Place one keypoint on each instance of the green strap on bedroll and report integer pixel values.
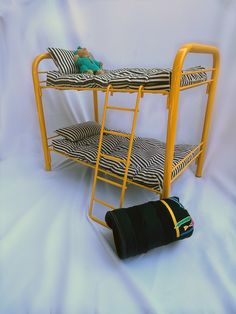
(140, 228)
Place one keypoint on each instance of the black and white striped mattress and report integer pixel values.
(147, 159)
(151, 79)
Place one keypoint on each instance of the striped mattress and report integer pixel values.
(147, 159)
(130, 78)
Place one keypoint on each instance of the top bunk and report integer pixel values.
(153, 80)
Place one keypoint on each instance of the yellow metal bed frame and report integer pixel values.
(172, 106)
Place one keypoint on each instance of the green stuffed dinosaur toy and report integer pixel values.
(86, 63)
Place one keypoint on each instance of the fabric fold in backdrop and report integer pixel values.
(140, 228)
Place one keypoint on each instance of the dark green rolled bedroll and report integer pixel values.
(140, 228)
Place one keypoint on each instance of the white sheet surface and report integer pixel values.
(52, 258)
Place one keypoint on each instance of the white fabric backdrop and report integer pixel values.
(52, 259)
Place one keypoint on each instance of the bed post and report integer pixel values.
(209, 108)
(38, 98)
(173, 108)
(95, 105)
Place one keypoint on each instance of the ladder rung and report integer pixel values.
(120, 108)
(113, 158)
(103, 203)
(101, 222)
(116, 133)
(110, 182)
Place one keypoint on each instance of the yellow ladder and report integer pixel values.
(122, 186)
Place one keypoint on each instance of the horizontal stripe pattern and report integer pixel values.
(151, 79)
(147, 158)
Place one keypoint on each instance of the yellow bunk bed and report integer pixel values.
(172, 92)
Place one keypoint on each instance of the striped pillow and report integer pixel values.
(79, 131)
(64, 60)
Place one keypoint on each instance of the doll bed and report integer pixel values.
(170, 159)
(146, 166)
(131, 78)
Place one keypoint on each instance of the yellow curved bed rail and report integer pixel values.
(177, 72)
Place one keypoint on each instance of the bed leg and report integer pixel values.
(198, 172)
(172, 105)
(211, 90)
(46, 152)
(165, 192)
(38, 99)
(95, 105)
(206, 127)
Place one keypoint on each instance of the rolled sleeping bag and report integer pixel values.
(140, 228)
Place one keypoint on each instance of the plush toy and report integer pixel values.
(86, 63)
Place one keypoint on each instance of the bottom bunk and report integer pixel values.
(80, 142)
